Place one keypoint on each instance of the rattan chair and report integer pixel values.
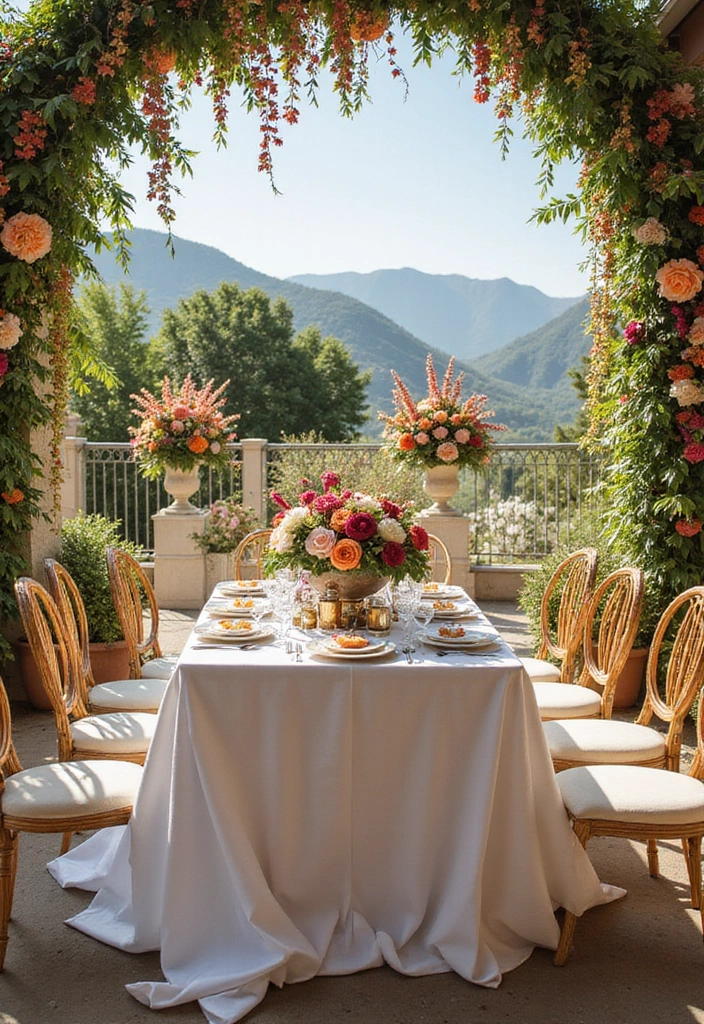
(63, 798)
(633, 802)
(610, 627)
(571, 587)
(119, 694)
(579, 742)
(440, 560)
(123, 736)
(130, 588)
(250, 550)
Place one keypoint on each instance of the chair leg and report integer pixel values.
(653, 859)
(66, 842)
(8, 872)
(581, 830)
(693, 847)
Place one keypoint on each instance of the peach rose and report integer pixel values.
(425, 423)
(447, 452)
(339, 518)
(26, 236)
(679, 280)
(346, 554)
(10, 330)
(696, 331)
(441, 416)
(650, 232)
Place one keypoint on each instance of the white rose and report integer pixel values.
(391, 529)
(365, 503)
(280, 540)
(294, 519)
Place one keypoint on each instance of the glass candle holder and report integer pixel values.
(378, 616)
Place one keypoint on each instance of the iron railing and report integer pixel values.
(528, 499)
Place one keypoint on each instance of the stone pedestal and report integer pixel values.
(453, 531)
(179, 567)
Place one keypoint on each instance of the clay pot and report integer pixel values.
(108, 661)
(631, 679)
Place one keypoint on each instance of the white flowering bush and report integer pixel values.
(512, 526)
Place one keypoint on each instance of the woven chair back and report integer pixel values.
(9, 762)
(132, 595)
(440, 561)
(56, 655)
(679, 637)
(67, 596)
(610, 628)
(571, 587)
(251, 549)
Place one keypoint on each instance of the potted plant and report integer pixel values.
(440, 433)
(179, 432)
(229, 523)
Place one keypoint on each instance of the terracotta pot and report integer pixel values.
(108, 661)
(353, 585)
(441, 483)
(631, 679)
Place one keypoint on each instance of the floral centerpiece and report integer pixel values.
(183, 429)
(343, 531)
(229, 523)
(439, 430)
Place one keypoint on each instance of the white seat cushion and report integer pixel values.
(598, 741)
(128, 695)
(71, 787)
(566, 700)
(621, 792)
(114, 734)
(541, 671)
(159, 668)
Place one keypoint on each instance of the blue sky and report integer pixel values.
(415, 183)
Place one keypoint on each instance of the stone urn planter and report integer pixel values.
(441, 483)
(181, 484)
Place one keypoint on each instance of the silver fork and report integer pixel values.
(299, 652)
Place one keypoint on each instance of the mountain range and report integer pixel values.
(461, 316)
(516, 377)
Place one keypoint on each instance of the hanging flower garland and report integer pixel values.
(84, 80)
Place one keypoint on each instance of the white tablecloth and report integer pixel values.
(331, 816)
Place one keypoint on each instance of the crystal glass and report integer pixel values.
(407, 594)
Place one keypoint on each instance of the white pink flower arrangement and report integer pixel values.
(347, 531)
(440, 429)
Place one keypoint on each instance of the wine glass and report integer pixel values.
(423, 614)
(408, 594)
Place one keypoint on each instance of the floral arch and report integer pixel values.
(83, 80)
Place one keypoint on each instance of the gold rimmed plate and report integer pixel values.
(240, 588)
(321, 649)
(231, 609)
(221, 634)
(472, 638)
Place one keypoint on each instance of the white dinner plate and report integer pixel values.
(229, 610)
(460, 611)
(320, 649)
(355, 652)
(472, 638)
(211, 631)
(238, 588)
(444, 592)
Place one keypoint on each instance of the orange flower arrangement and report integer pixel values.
(346, 554)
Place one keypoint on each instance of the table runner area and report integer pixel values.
(332, 816)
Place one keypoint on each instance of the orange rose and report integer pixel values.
(26, 236)
(13, 497)
(425, 423)
(339, 518)
(346, 554)
(197, 445)
(441, 416)
(679, 280)
(406, 442)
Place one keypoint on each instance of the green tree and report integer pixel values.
(277, 386)
(576, 430)
(345, 406)
(115, 323)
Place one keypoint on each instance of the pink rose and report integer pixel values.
(696, 331)
(462, 436)
(215, 447)
(180, 412)
(456, 419)
(650, 232)
(177, 427)
(421, 438)
(320, 542)
(10, 330)
(440, 432)
(447, 452)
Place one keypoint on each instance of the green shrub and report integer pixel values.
(84, 541)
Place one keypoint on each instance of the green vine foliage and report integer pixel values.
(81, 81)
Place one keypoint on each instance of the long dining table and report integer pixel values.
(303, 814)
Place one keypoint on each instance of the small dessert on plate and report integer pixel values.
(236, 626)
(350, 641)
(240, 602)
(444, 606)
(452, 632)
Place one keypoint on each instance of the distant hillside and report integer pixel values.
(374, 341)
(458, 315)
(541, 359)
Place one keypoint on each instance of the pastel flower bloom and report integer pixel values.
(421, 438)
(441, 416)
(180, 412)
(26, 236)
(320, 542)
(650, 232)
(391, 530)
(696, 331)
(448, 452)
(294, 518)
(440, 433)
(339, 518)
(365, 503)
(281, 540)
(177, 426)
(687, 392)
(215, 447)
(10, 330)
(462, 436)
(679, 280)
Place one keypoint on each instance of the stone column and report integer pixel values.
(73, 486)
(179, 567)
(453, 531)
(254, 474)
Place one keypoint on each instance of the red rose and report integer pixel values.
(419, 538)
(476, 441)
(390, 509)
(393, 554)
(360, 526)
